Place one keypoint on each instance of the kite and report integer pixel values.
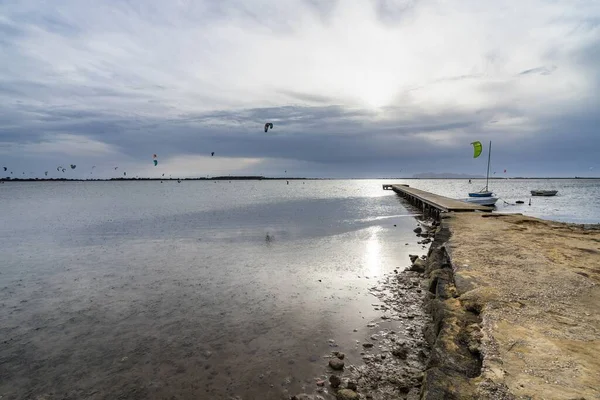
(46, 173)
(212, 154)
(73, 166)
(268, 125)
(476, 149)
(5, 168)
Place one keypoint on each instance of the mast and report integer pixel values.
(488, 168)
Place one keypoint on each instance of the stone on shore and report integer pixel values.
(336, 364)
(347, 394)
(419, 265)
(335, 381)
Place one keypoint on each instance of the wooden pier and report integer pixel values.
(433, 204)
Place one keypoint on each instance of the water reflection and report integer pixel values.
(373, 252)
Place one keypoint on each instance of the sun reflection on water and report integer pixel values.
(373, 253)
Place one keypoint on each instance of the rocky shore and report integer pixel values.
(502, 307)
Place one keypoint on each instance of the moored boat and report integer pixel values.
(482, 201)
(544, 192)
(485, 191)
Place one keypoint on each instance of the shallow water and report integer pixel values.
(207, 290)
(149, 290)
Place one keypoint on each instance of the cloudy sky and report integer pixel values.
(354, 88)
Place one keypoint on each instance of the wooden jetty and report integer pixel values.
(433, 204)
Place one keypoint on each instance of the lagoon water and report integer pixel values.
(206, 290)
(191, 289)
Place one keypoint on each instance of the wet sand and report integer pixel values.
(534, 286)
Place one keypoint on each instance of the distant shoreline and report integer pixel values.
(261, 178)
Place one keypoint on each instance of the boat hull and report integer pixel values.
(544, 192)
(482, 201)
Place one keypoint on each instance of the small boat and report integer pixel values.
(544, 192)
(483, 192)
(482, 201)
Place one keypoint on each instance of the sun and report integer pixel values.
(377, 98)
(377, 92)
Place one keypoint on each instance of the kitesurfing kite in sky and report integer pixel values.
(268, 125)
(477, 149)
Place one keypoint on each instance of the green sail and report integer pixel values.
(477, 149)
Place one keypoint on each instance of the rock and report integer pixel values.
(412, 257)
(351, 385)
(347, 394)
(418, 230)
(339, 355)
(302, 396)
(400, 352)
(336, 364)
(367, 345)
(418, 265)
(335, 381)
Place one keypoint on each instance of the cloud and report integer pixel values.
(539, 70)
(353, 86)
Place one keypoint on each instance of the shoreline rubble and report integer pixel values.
(459, 299)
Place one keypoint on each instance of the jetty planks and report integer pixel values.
(441, 203)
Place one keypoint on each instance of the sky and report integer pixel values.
(354, 88)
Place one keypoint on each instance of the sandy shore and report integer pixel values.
(516, 308)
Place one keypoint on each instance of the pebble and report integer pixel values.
(336, 364)
(351, 385)
(335, 381)
(367, 345)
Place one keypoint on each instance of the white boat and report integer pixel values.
(483, 192)
(482, 201)
(544, 192)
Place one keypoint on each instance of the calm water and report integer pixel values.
(578, 200)
(149, 290)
